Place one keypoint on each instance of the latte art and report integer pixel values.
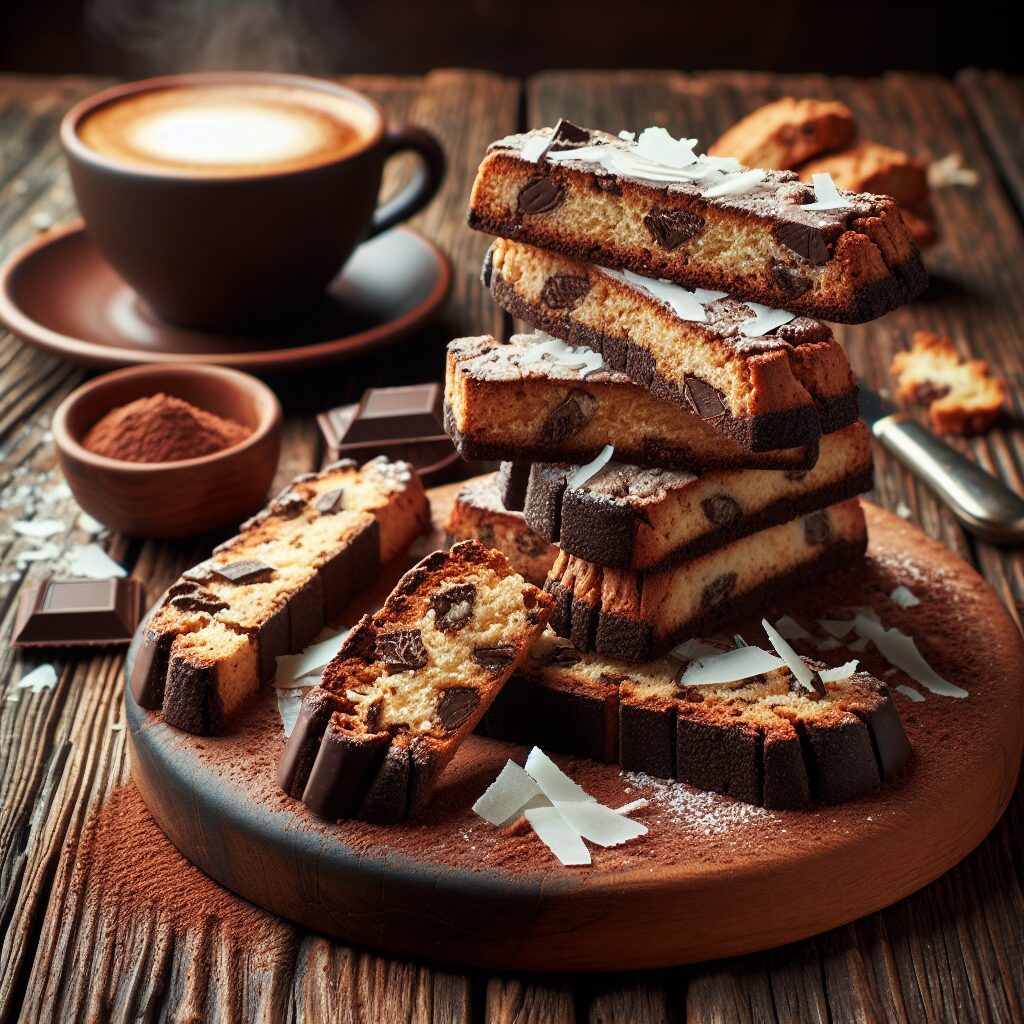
(228, 130)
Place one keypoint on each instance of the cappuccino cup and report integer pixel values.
(227, 198)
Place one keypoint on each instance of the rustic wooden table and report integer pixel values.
(954, 951)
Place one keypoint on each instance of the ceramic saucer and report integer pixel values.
(60, 295)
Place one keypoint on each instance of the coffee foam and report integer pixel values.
(227, 130)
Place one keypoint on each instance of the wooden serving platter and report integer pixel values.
(712, 877)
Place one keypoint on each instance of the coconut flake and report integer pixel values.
(581, 358)
(39, 528)
(599, 824)
(691, 650)
(558, 835)
(655, 144)
(909, 691)
(579, 476)
(289, 704)
(858, 645)
(949, 170)
(900, 650)
(556, 785)
(534, 148)
(729, 667)
(633, 805)
(44, 677)
(311, 661)
(796, 664)
(765, 320)
(791, 629)
(507, 796)
(92, 561)
(837, 627)
(736, 184)
(684, 303)
(826, 195)
(904, 597)
(43, 553)
(836, 675)
(829, 644)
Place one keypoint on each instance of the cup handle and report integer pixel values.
(426, 179)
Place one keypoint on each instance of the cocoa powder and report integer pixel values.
(161, 428)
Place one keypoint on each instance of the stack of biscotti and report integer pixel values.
(410, 683)
(216, 637)
(765, 739)
(681, 424)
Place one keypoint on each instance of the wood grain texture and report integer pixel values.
(953, 952)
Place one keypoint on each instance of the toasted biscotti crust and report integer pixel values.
(848, 266)
(409, 684)
(787, 132)
(479, 514)
(650, 520)
(780, 383)
(496, 408)
(637, 617)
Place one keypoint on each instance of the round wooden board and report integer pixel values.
(712, 877)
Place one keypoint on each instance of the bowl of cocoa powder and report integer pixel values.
(169, 451)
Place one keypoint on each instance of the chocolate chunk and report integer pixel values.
(707, 402)
(488, 268)
(395, 414)
(817, 528)
(564, 291)
(200, 573)
(718, 590)
(721, 509)
(485, 534)
(196, 599)
(788, 280)
(672, 227)
(401, 650)
(456, 705)
(564, 657)
(568, 136)
(608, 183)
(332, 501)
(539, 196)
(453, 607)
(572, 414)
(795, 475)
(817, 685)
(804, 240)
(927, 392)
(494, 659)
(287, 505)
(372, 714)
(245, 570)
(87, 612)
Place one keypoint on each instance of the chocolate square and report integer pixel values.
(79, 613)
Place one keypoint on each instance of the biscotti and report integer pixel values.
(787, 132)
(763, 377)
(291, 569)
(478, 513)
(962, 395)
(647, 520)
(872, 167)
(638, 616)
(653, 207)
(552, 409)
(409, 684)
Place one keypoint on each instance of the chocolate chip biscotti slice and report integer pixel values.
(479, 514)
(638, 616)
(409, 684)
(291, 568)
(761, 376)
(787, 132)
(624, 517)
(533, 401)
(652, 206)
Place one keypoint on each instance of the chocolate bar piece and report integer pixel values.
(79, 613)
(403, 423)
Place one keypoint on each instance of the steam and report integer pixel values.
(308, 36)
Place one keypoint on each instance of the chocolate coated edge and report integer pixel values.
(788, 428)
(904, 282)
(674, 458)
(191, 700)
(627, 639)
(604, 532)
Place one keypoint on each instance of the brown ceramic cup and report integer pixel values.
(224, 252)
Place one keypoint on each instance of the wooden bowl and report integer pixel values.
(172, 499)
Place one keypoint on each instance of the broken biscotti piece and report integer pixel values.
(961, 394)
(624, 517)
(638, 616)
(220, 629)
(555, 409)
(479, 514)
(765, 739)
(409, 684)
(765, 378)
(652, 206)
(787, 132)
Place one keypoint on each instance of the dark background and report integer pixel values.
(137, 37)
